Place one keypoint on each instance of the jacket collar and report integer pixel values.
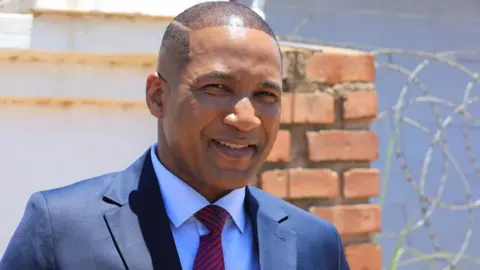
(141, 229)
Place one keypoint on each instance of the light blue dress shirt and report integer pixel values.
(182, 202)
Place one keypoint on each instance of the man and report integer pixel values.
(186, 203)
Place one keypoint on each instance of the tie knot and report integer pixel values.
(213, 217)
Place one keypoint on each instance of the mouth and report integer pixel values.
(235, 150)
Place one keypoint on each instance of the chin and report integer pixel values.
(233, 179)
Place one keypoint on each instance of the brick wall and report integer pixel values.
(321, 158)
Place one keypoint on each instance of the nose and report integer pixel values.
(243, 116)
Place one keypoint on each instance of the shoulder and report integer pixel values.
(78, 205)
(69, 196)
(69, 203)
(310, 229)
(95, 188)
(87, 189)
(299, 215)
(316, 238)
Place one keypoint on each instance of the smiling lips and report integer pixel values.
(234, 146)
(239, 151)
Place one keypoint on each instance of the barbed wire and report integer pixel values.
(429, 204)
(396, 113)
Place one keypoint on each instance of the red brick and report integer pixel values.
(274, 182)
(327, 213)
(286, 109)
(361, 183)
(313, 183)
(314, 108)
(351, 220)
(360, 105)
(337, 145)
(333, 66)
(364, 256)
(281, 151)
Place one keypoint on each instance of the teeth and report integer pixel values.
(234, 146)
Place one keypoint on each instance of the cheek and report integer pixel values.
(196, 115)
(270, 116)
(182, 120)
(209, 107)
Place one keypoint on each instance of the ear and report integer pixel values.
(155, 86)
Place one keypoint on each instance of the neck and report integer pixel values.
(180, 169)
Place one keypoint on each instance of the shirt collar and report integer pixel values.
(175, 191)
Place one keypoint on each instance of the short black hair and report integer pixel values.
(209, 14)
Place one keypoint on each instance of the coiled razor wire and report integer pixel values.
(428, 203)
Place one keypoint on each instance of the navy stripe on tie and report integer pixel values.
(210, 253)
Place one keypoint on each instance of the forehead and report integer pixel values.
(235, 45)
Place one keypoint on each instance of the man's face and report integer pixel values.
(222, 115)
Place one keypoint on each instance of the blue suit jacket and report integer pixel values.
(118, 221)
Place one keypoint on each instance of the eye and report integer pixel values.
(216, 89)
(215, 85)
(266, 96)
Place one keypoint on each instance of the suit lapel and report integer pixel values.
(125, 230)
(276, 243)
(140, 226)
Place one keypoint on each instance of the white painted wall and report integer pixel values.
(27, 79)
(159, 7)
(43, 146)
(93, 34)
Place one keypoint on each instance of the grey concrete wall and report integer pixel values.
(436, 25)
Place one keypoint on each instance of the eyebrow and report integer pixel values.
(272, 86)
(215, 75)
(225, 76)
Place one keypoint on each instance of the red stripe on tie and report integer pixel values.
(210, 252)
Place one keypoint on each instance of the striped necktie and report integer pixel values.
(210, 253)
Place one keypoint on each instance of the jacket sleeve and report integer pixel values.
(31, 246)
